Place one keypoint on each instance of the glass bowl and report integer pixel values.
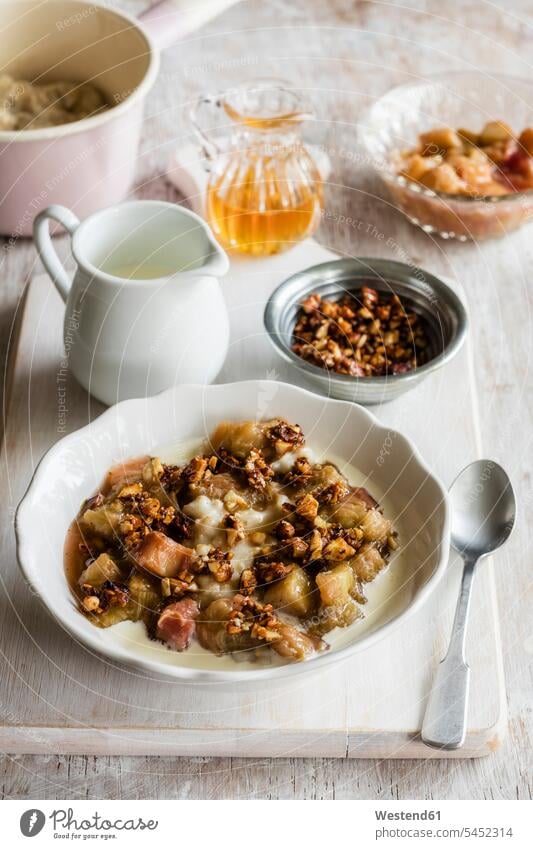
(441, 308)
(454, 99)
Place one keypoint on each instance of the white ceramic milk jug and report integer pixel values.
(145, 309)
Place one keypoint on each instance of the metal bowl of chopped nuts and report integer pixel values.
(365, 329)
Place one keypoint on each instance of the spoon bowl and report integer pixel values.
(483, 509)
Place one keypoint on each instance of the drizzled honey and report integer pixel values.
(264, 191)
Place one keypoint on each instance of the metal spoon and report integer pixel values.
(483, 514)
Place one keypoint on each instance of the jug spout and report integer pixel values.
(200, 252)
(217, 262)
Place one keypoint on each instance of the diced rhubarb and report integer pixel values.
(296, 645)
(362, 494)
(125, 472)
(176, 625)
(161, 556)
(518, 170)
(238, 437)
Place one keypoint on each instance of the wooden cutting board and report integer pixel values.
(60, 698)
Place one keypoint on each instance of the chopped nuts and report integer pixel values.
(131, 490)
(218, 563)
(334, 493)
(177, 586)
(151, 507)
(257, 538)
(319, 522)
(152, 471)
(338, 549)
(250, 616)
(99, 599)
(324, 528)
(300, 473)
(234, 529)
(307, 507)
(285, 436)
(367, 333)
(257, 470)
(195, 470)
(299, 547)
(233, 501)
(274, 571)
(248, 581)
(142, 514)
(91, 604)
(315, 545)
(392, 542)
(284, 530)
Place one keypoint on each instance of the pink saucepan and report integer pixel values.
(90, 163)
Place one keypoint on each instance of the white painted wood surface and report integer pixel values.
(66, 700)
(342, 53)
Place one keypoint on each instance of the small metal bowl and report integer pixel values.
(434, 300)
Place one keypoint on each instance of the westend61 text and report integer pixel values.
(408, 815)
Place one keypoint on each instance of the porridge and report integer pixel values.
(30, 106)
(248, 547)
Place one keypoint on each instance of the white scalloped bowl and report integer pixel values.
(370, 454)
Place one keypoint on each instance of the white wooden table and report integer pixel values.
(341, 54)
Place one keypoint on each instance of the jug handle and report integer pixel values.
(208, 146)
(45, 249)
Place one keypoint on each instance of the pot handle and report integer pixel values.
(167, 21)
(45, 249)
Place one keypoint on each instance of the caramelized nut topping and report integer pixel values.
(274, 571)
(300, 472)
(250, 616)
(257, 537)
(99, 599)
(284, 530)
(248, 582)
(315, 545)
(307, 507)
(304, 558)
(234, 529)
(285, 436)
(338, 549)
(299, 547)
(257, 470)
(195, 470)
(365, 333)
(334, 493)
(218, 563)
(233, 501)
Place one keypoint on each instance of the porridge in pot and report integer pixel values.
(31, 106)
(248, 547)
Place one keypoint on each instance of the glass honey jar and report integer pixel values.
(264, 190)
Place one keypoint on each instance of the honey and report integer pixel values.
(264, 191)
(254, 207)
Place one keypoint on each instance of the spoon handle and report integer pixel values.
(444, 725)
